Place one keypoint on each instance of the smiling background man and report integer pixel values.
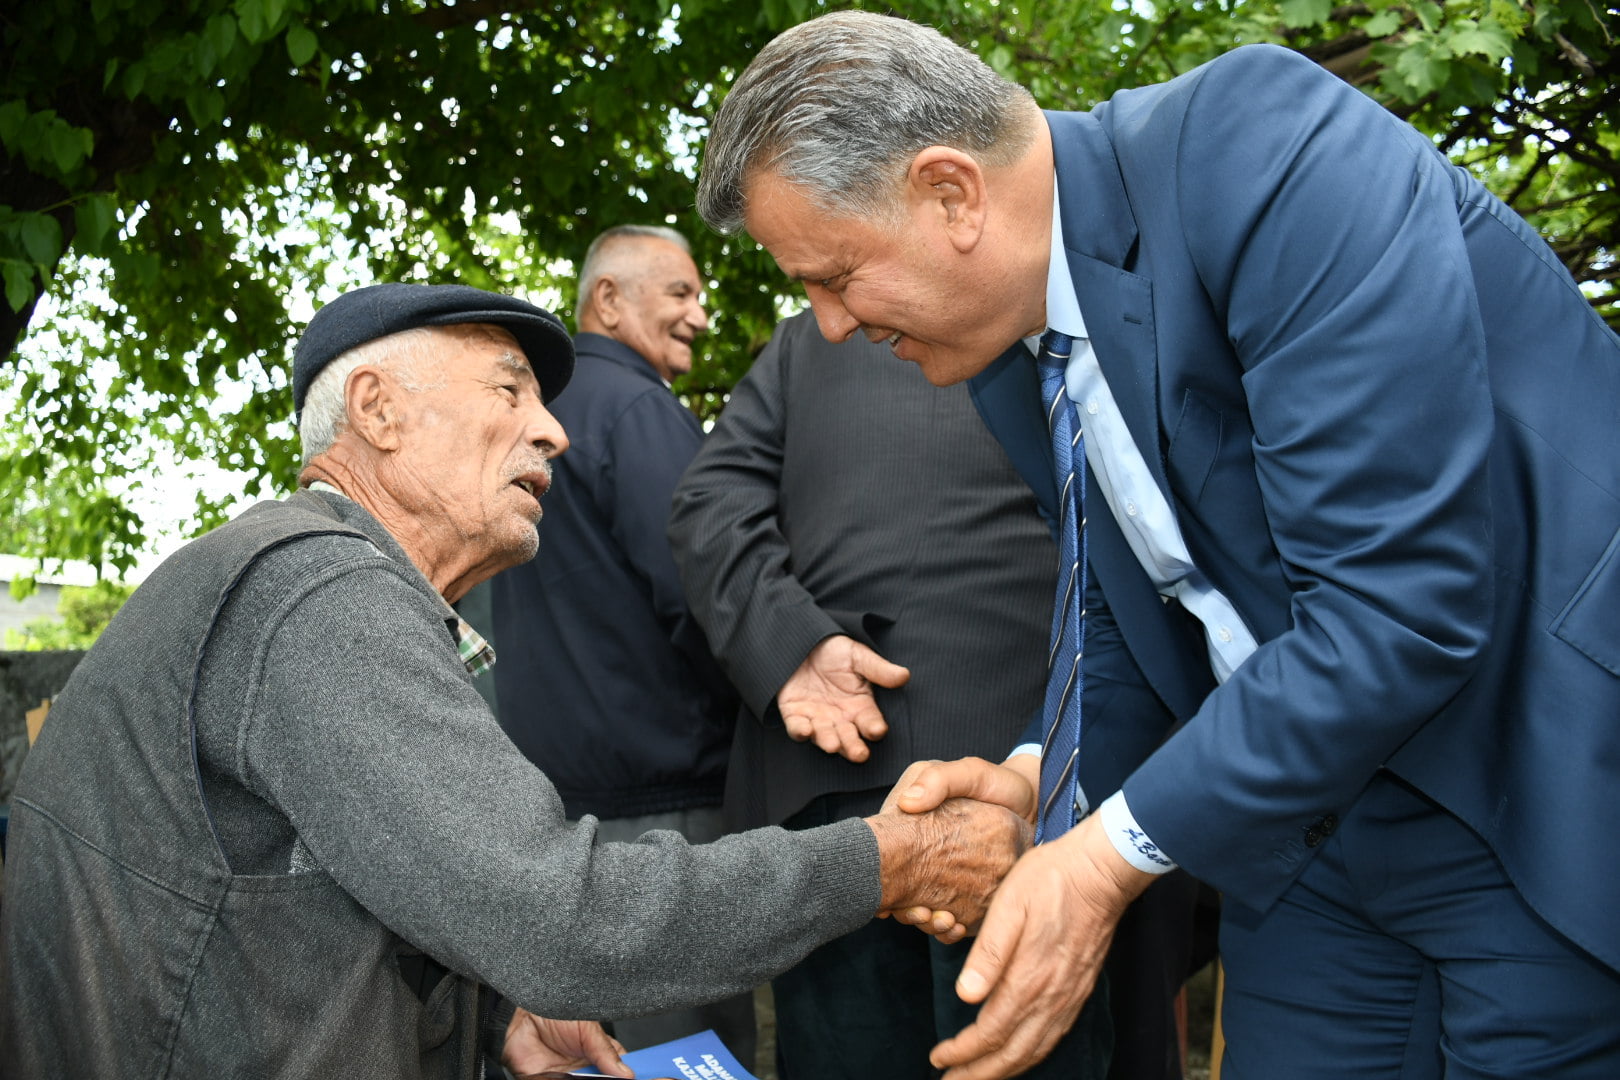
(635, 726)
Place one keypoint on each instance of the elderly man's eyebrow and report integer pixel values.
(516, 362)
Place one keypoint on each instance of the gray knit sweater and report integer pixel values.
(272, 781)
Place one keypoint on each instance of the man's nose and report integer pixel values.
(545, 431)
(698, 317)
(836, 323)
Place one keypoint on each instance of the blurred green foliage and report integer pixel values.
(85, 611)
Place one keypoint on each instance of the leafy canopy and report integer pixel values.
(181, 181)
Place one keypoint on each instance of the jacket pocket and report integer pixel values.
(1590, 620)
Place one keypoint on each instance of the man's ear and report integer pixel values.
(947, 186)
(371, 400)
(606, 299)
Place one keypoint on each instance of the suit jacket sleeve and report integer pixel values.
(1325, 237)
(726, 536)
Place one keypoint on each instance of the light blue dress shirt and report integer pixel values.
(1144, 516)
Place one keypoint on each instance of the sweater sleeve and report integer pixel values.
(367, 734)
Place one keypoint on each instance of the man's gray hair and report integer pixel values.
(599, 256)
(840, 105)
(406, 355)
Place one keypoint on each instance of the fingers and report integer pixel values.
(998, 937)
(1039, 952)
(832, 734)
(990, 1049)
(828, 698)
(798, 726)
(926, 919)
(606, 1053)
(849, 743)
(868, 664)
(970, 778)
(907, 779)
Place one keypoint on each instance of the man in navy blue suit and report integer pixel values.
(1351, 652)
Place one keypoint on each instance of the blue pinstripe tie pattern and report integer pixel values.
(1060, 751)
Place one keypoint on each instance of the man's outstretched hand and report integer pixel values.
(950, 859)
(829, 697)
(1039, 952)
(926, 784)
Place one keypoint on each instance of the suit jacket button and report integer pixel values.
(1313, 836)
(1328, 824)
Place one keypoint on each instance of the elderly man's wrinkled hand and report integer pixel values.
(941, 867)
(828, 698)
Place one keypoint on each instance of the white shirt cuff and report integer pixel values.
(1129, 839)
(1027, 748)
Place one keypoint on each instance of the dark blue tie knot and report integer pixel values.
(1055, 348)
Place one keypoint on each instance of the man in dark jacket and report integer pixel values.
(635, 728)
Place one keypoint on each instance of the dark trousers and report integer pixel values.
(1403, 952)
(1166, 936)
(873, 1003)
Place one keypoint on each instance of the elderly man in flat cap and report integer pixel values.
(271, 829)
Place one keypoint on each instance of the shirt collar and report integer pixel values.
(1062, 306)
(477, 654)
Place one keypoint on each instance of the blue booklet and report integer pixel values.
(696, 1057)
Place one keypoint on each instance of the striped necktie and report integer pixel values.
(1060, 751)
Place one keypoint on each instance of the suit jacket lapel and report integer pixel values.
(1008, 397)
(1100, 238)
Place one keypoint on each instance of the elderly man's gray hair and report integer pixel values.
(599, 257)
(405, 354)
(840, 105)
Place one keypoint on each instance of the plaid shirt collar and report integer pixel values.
(477, 655)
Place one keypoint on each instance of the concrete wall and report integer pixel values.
(17, 614)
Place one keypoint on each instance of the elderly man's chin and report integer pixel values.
(528, 544)
(521, 544)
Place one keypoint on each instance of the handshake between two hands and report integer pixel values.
(956, 858)
(949, 832)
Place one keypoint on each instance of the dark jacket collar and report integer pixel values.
(603, 348)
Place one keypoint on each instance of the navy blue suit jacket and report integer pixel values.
(1386, 420)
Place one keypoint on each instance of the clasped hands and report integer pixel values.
(1044, 925)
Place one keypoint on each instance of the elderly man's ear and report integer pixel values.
(373, 406)
(605, 297)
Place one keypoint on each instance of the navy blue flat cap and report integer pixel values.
(379, 310)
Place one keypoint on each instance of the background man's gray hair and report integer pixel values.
(407, 355)
(599, 256)
(841, 104)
